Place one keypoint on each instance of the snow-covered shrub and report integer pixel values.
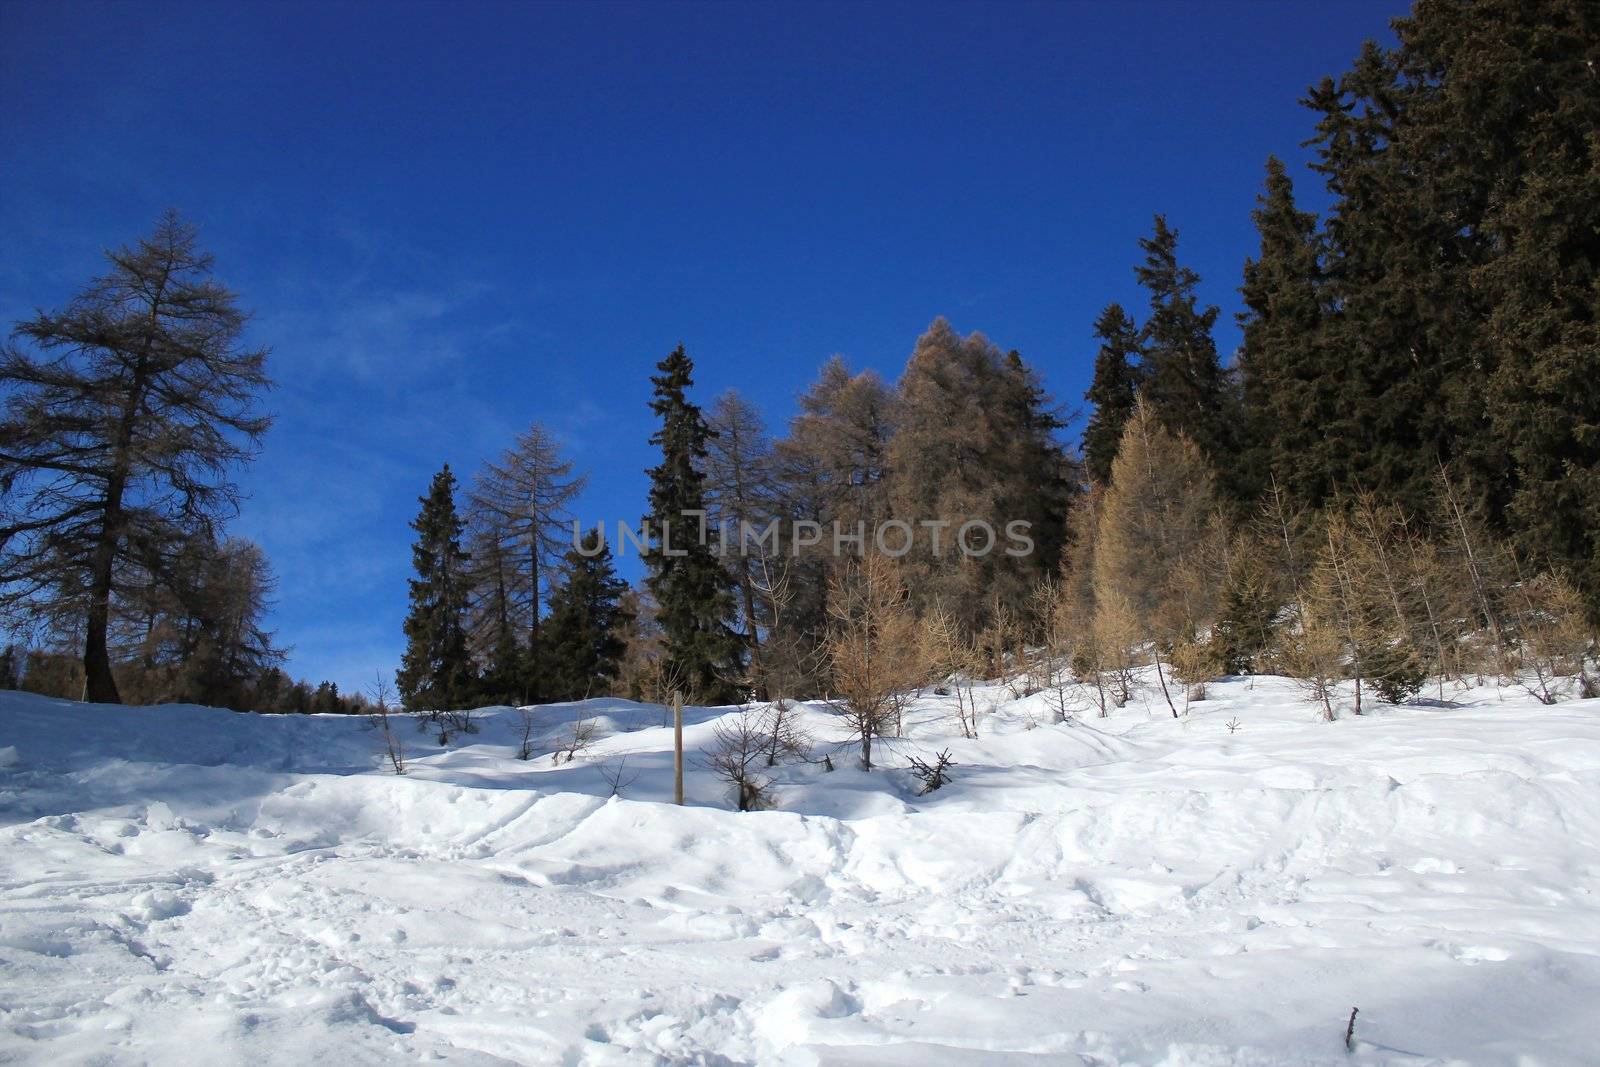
(525, 723)
(935, 774)
(583, 732)
(785, 737)
(739, 747)
(1553, 636)
(1395, 672)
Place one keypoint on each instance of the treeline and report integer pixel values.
(500, 614)
(61, 674)
(968, 435)
(1397, 477)
(1412, 411)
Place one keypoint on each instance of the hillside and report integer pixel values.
(181, 884)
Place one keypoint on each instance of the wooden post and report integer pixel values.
(677, 746)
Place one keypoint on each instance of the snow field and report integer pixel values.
(183, 885)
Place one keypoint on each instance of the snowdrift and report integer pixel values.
(181, 884)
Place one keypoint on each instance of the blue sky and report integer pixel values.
(454, 219)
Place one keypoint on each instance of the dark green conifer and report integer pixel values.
(436, 669)
(1290, 389)
(692, 588)
(1183, 382)
(1115, 385)
(581, 645)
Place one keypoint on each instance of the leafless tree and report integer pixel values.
(584, 731)
(521, 503)
(1318, 646)
(738, 754)
(379, 694)
(786, 738)
(525, 724)
(616, 776)
(932, 775)
(953, 660)
(1063, 641)
(119, 432)
(449, 724)
(1476, 560)
(1553, 636)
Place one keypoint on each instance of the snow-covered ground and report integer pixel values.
(183, 885)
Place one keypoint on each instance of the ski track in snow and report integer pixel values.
(184, 885)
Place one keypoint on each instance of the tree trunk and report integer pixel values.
(533, 571)
(754, 637)
(99, 686)
(1155, 657)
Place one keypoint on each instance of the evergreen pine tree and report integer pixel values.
(688, 581)
(1289, 392)
(436, 670)
(508, 677)
(1040, 478)
(10, 667)
(1242, 633)
(581, 645)
(1183, 382)
(1523, 90)
(1116, 383)
(1395, 353)
(326, 701)
(1463, 249)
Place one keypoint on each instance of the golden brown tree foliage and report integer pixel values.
(1161, 544)
(872, 646)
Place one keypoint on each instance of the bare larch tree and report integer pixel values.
(521, 501)
(120, 430)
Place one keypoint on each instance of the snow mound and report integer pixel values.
(1124, 890)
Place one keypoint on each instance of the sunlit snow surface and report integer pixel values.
(183, 885)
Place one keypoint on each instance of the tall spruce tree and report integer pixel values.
(1041, 478)
(1463, 249)
(1521, 90)
(691, 588)
(436, 669)
(1184, 383)
(1112, 392)
(119, 435)
(581, 645)
(1290, 390)
(1397, 350)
